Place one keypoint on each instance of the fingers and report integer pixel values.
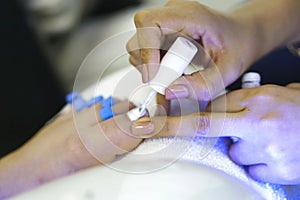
(153, 26)
(109, 138)
(260, 172)
(230, 102)
(227, 118)
(134, 50)
(294, 85)
(144, 53)
(239, 153)
(203, 85)
(163, 105)
(197, 124)
(91, 116)
(148, 39)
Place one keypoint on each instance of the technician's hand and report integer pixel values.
(266, 121)
(229, 42)
(69, 143)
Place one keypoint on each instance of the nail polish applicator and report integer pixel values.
(172, 66)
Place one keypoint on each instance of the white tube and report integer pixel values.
(173, 64)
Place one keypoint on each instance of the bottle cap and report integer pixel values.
(251, 80)
(251, 77)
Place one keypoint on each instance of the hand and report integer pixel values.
(266, 121)
(220, 35)
(71, 142)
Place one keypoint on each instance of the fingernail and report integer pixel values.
(177, 91)
(145, 74)
(142, 126)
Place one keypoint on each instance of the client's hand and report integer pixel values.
(62, 147)
(266, 121)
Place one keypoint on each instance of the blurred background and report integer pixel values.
(45, 41)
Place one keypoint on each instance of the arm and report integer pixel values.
(276, 23)
(64, 146)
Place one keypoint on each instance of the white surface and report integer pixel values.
(180, 181)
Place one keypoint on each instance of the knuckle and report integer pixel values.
(202, 124)
(132, 45)
(145, 54)
(234, 154)
(132, 61)
(141, 17)
(267, 90)
(265, 93)
(294, 85)
(275, 152)
(195, 4)
(128, 46)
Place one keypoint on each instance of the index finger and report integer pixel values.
(204, 124)
(149, 38)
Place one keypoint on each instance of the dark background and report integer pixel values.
(30, 93)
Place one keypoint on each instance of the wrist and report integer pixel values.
(17, 174)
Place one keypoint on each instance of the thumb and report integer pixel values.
(206, 84)
(202, 85)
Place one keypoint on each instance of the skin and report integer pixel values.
(59, 148)
(265, 119)
(233, 40)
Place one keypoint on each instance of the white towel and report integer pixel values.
(198, 150)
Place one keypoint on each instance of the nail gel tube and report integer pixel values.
(173, 64)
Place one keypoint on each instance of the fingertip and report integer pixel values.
(143, 128)
(259, 172)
